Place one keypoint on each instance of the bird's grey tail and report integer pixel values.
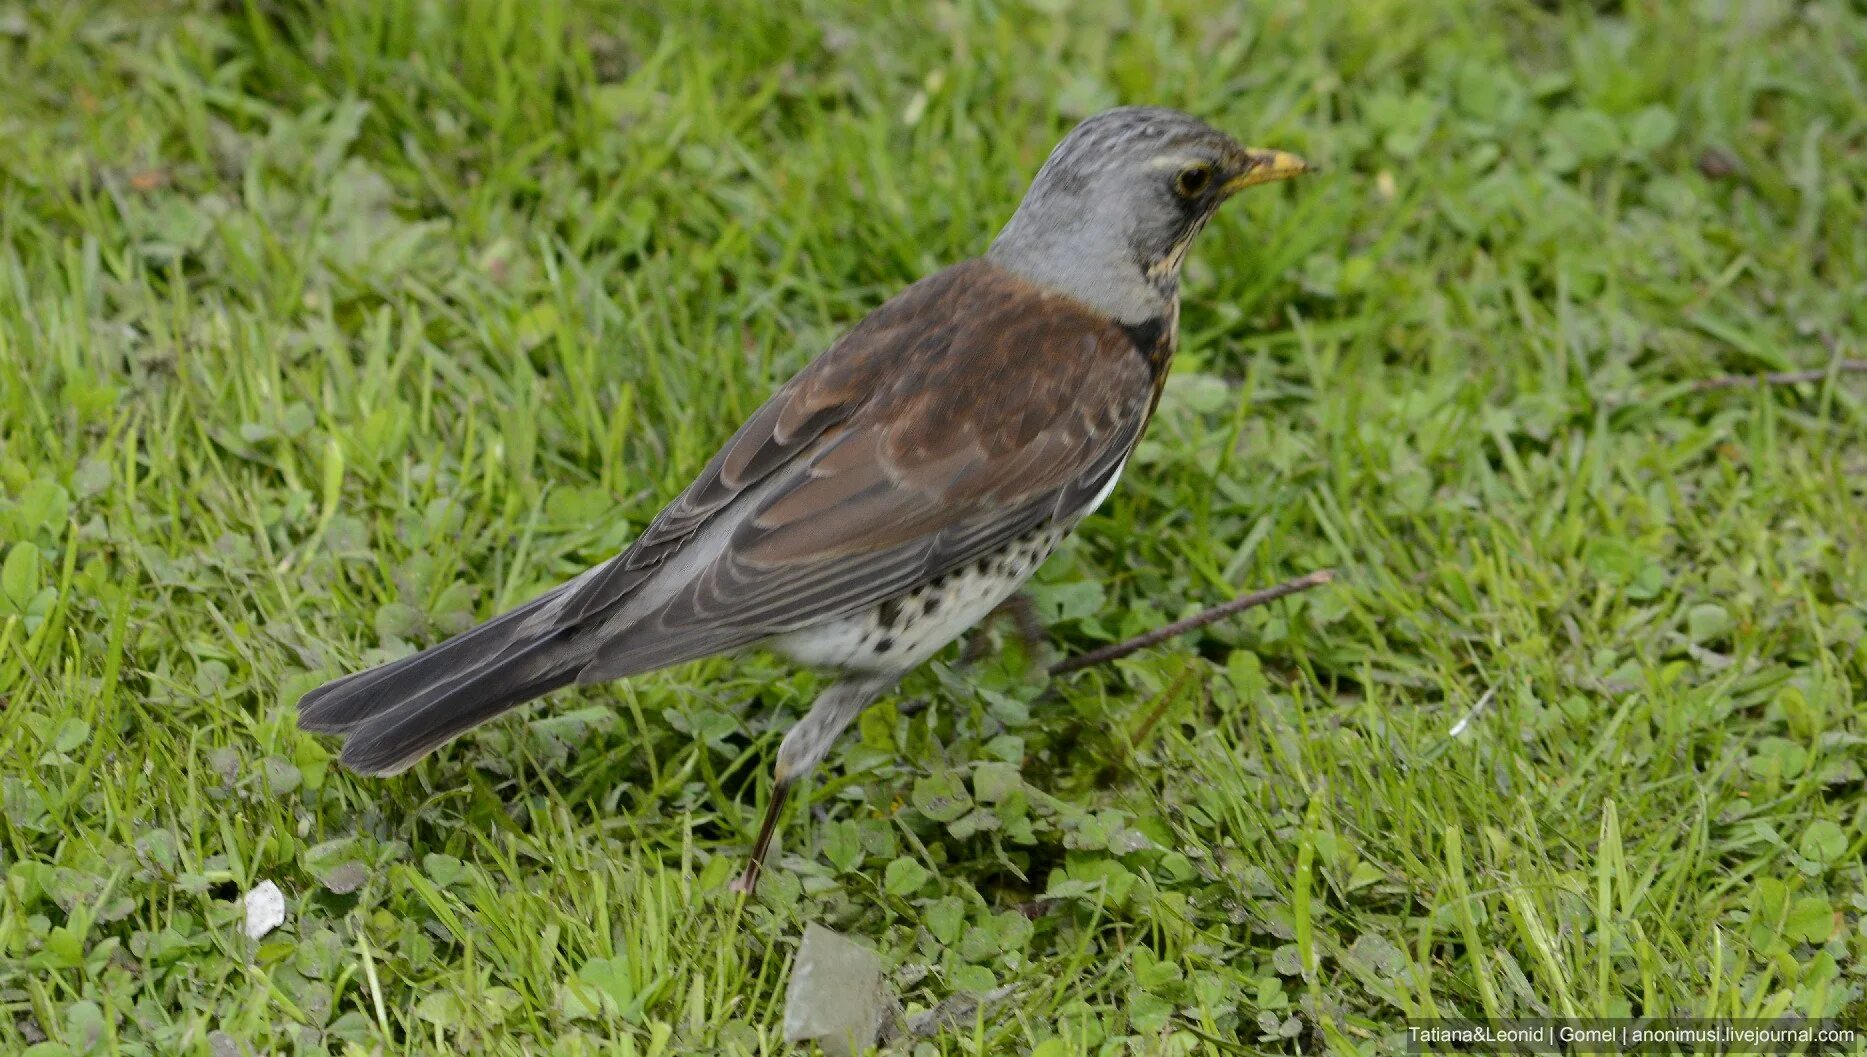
(396, 713)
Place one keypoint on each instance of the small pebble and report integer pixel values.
(265, 909)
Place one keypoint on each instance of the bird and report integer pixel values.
(895, 491)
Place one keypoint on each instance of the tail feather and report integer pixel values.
(393, 741)
(398, 712)
(342, 703)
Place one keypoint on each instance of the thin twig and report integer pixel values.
(1198, 620)
(1814, 374)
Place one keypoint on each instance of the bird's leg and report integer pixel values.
(804, 746)
(1023, 613)
(1024, 617)
(748, 880)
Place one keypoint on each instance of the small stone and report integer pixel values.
(265, 909)
(836, 996)
(956, 1012)
(345, 879)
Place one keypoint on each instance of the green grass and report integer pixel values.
(326, 331)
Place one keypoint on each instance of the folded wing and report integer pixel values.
(969, 410)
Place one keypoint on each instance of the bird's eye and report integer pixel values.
(1192, 180)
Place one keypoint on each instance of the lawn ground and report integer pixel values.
(327, 330)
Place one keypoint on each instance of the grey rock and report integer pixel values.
(836, 997)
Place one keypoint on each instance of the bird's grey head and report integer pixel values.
(1110, 215)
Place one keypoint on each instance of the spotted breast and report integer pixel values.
(907, 629)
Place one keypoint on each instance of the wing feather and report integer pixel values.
(970, 410)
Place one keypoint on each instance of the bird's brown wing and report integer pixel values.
(967, 411)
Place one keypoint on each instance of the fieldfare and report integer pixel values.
(901, 486)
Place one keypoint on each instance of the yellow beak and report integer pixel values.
(1263, 166)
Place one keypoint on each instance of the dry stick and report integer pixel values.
(1197, 620)
(1734, 381)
